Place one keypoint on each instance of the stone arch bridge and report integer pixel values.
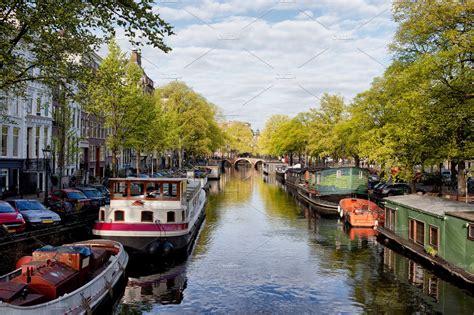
(255, 162)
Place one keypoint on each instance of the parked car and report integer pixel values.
(103, 190)
(95, 196)
(393, 189)
(35, 213)
(11, 221)
(68, 201)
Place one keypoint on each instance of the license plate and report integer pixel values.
(11, 231)
(47, 221)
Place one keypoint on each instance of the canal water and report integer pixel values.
(259, 250)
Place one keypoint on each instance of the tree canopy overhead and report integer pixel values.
(47, 41)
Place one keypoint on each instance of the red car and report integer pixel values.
(11, 220)
(69, 201)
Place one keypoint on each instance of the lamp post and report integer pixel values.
(47, 157)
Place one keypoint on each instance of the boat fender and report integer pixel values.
(338, 209)
(166, 248)
(154, 248)
(341, 213)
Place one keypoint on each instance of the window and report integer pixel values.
(136, 190)
(4, 141)
(16, 133)
(147, 216)
(45, 138)
(434, 237)
(29, 101)
(37, 141)
(3, 179)
(470, 232)
(170, 216)
(153, 190)
(119, 215)
(39, 104)
(417, 231)
(170, 190)
(102, 215)
(390, 218)
(183, 216)
(318, 179)
(119, 190)
(360, 175)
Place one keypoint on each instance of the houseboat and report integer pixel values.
(439, 232)
(270, 167)
(360, 212)
(325, 187)
(154, 216)
(294, 177)
(75, 278)
(280, 173)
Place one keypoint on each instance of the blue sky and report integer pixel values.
(256, 58)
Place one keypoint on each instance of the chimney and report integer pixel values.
(136, 57)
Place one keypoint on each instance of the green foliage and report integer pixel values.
(189, 120)
(265, 142)
(59, 37)
(239, 137)
(115, 94)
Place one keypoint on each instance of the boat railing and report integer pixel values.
(7, 277)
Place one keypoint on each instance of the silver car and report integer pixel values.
(35, 213)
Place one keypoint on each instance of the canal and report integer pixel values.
(259, 250)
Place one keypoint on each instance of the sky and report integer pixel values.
(255, 58)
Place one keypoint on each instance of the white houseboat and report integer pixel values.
(152, 215)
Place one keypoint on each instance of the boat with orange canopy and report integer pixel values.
(360, 212)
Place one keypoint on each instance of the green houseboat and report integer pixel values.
(438, 230)
(327, 186)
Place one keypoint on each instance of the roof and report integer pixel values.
(466, 215)
(158, 179)
(430, 204)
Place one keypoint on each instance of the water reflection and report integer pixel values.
(262, 251)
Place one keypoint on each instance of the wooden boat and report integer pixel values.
(155, 216)
(360, 212)
(70, 279)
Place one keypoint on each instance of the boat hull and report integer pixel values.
(155, 245)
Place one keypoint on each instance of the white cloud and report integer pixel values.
(253, 64)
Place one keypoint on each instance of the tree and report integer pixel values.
(435, 39)
(46, 41)
(264, 143)
(289, 138)
(191, 125)
(323, 141)
(115, 94)
(239, 137)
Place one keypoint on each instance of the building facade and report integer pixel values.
(26, 130)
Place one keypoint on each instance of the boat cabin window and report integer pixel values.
(137, 190)
(102, 215)
(147, 216)
(434, 236)
(470, 231)
(183, 216)
(119, 190)
(119, 215)
(153, 190)
(170, 190)
(170, 216)
(416, 231)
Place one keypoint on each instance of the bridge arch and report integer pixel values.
(254, 162)
(236, 162)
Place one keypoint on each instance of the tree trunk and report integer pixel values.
(453, 172)
(180, 158)
(291, 158)
(356, 160)
(461, 178)
(137, 163)
(114, 163)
